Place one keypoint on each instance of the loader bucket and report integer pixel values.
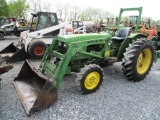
(11, 48)
(34, 89)
(16, 54)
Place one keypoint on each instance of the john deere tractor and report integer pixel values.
(86, 55)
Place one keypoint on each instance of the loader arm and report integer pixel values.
(40, 33)
(58, 69)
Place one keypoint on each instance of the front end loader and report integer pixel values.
(85, 55)
(33, 42)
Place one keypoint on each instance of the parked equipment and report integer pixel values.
(34, 42)
(84, 54)
(10, 26)
(119, 23)
(22, 23)
(109, 23)
(76, 27)
(156, 39)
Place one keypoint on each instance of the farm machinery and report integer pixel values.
(144, 26)
(156, 39)
(75, 27)
(84, 54)
(109, 23)
(119, 23)
(33, 42)
(12, 25)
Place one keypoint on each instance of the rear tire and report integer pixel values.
(37, 49)
(89, 78)
(1, 36)
(138, 60)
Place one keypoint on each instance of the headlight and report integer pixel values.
(59, 43)
(64, 45)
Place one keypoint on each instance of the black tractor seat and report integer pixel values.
(122, 34)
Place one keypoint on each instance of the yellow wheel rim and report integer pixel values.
(144, 61)
(92, 80)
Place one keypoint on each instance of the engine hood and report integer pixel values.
(83, 37)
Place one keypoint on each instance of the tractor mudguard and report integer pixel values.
(128, 41)
(136, 35)
(34, 89)
(16, 54)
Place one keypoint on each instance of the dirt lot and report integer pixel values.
(117, 98)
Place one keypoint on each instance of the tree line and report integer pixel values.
(18, 8)
(13, 8)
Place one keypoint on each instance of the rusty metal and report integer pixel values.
(34, 89)
(4, 68)
(3, 58)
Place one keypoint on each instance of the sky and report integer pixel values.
(151, 8)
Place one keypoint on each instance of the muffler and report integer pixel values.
(34, 89)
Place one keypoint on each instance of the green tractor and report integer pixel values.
(86, 55)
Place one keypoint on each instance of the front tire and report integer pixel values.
(89, 79)
(138, 60)
(37, 49)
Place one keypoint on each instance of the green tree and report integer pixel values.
(3, 8)
(17, 8)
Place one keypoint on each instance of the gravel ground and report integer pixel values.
(117, 98)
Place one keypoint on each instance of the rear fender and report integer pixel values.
(127, 41)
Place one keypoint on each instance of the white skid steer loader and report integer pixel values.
(33, 42)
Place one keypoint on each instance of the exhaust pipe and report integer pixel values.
(34, 89)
